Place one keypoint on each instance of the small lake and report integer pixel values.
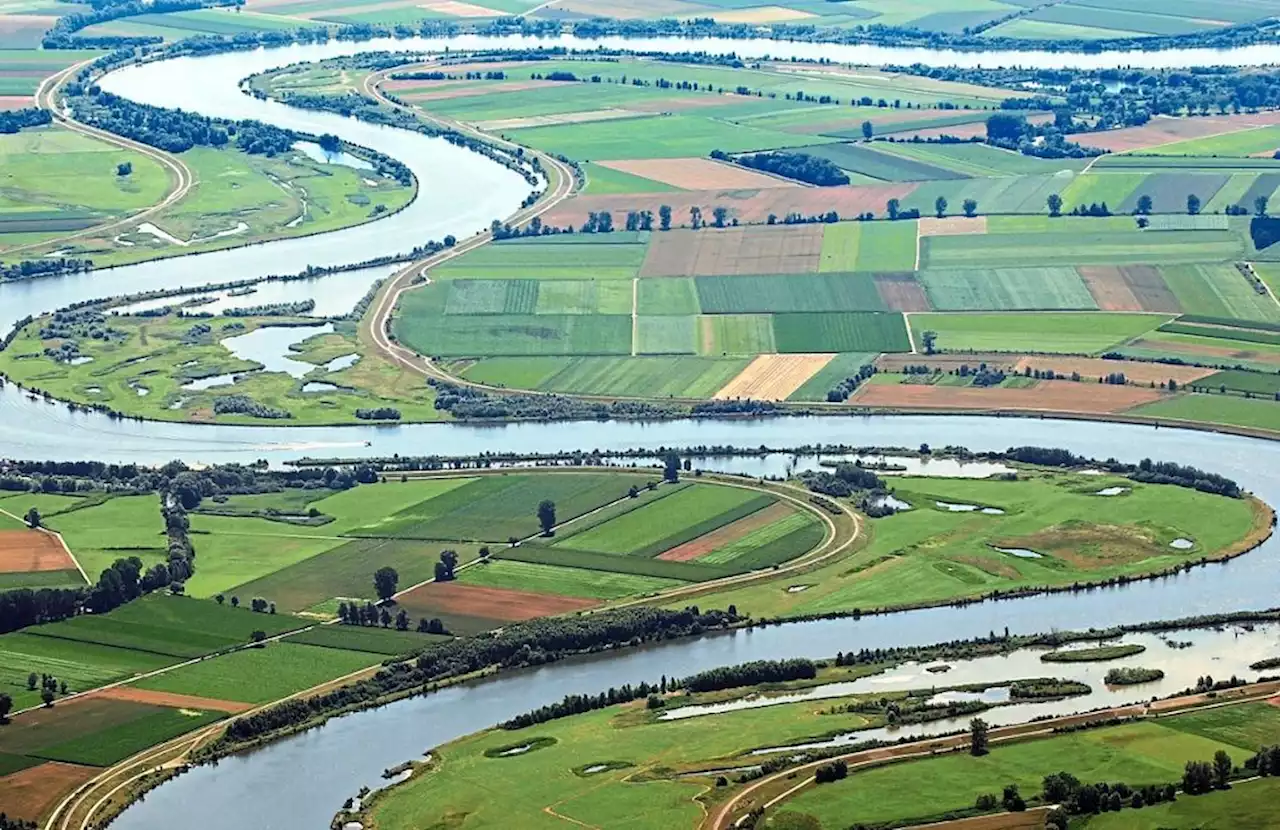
(269, 346)
(1112, 491)
(1021, 553)
(315, 152)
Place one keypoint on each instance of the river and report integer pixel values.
(301, 781)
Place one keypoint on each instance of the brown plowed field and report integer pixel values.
(15, 102)
(455, 8)
(33, 792)
(1048, 395)
(748, 206)
(697, 174)
(172, 700)
(1136, 372)
(24, 551)
(902, 292)
(1166, 130)
(1109, 290)
(1148, 286)
(773, 377)
(952, 225)
(756, 249)
(731, 532)
(490, 603)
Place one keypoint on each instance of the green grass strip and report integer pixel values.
(705, 526)
(757, 539)
(1237, 335)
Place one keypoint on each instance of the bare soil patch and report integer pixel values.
(33, 792)
(1167, 130)
(1032, 819)
(901, 292)
(459, 9)
(747, 206)
(1110, 291)
(1148, 286)
(762, 14)
(1089, 546)
(15, 102)
(173, 700)
(758, 249)
(25, 551)
(952, 225)
(1136, 372)
(1196, 350)
(1048, 396)
(697, 174)
(688, 100)
(490, 603)
(722, 536)
(773, 377)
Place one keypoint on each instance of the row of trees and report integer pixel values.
(14, 120)
(799, 166)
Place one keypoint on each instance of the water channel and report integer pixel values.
(300, 782)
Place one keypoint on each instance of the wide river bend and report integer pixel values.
(300, 782)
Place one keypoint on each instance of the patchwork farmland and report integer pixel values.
(731, 284)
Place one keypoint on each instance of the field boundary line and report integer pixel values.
(911, 338)
(55, 534)
(918, 237)
(1253, 269)
(635, 318)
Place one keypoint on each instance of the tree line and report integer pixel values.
(800, 166)
(174, 131)
(14, 120)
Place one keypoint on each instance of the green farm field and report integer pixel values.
(670, 521)
(81, 665)
(929, 554)
(259, 675)
(1080, 333)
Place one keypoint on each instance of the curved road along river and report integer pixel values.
(300, 782)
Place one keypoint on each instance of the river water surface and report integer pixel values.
(300, 782)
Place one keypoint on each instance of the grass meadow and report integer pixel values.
(1080, 333)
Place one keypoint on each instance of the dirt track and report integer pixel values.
(171, 699)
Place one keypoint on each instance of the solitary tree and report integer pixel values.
(940, 206)
(719, 216)
(385, 580)
(671, 467)
(695, 217)
(664, 217)
(547, 516)
(484, 553)
(32, 680)
(1197, 778)
(124, 168)
(978, 737)
(893, 206)
(220, 598)
(1193, 204)
(447, 565)
(258, 637)
(970, 207)
(1260, 206)
(1144, 207)
(235, 602)
(33, 518)
(867, 130)
(1221, 769)
(1055, 204)
(385, 618)
(46, 696)
(6, 706)
(402, 620)
(929, 339)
